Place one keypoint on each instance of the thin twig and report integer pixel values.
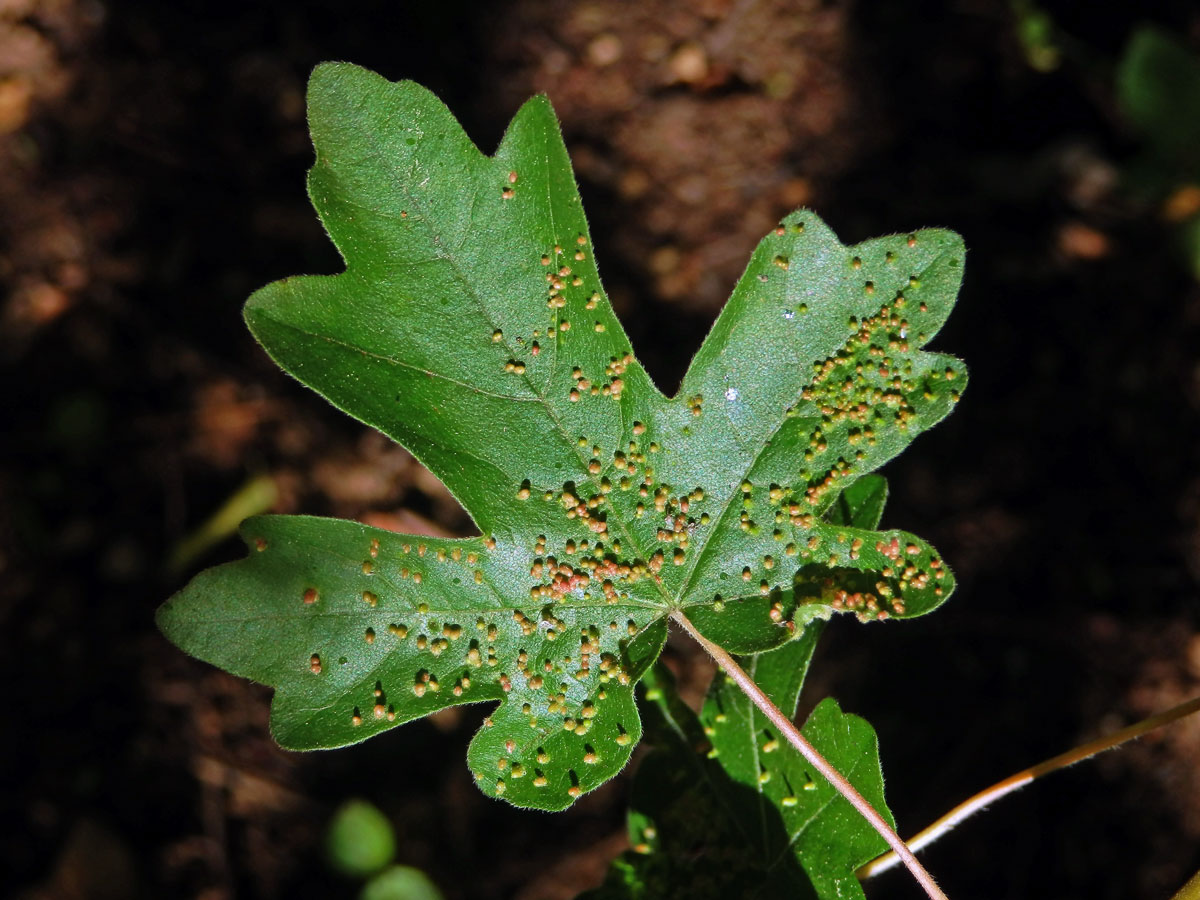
(809, 752)
(1191, 890)
(1018, 780)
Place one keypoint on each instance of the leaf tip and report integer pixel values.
(536, 112)
(165, 619)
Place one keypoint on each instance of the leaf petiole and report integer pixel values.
(788, 729)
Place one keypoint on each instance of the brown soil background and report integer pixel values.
(151, 176)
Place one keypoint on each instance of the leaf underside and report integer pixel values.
(471, 327)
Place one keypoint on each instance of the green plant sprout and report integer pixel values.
(471, 327)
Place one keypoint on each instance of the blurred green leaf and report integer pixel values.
(1158, 89)
(400, 883)
(1189, 244)
(253, 498)
(77, 423)
(360, 840)
(1037, 35)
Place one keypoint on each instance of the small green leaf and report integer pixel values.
(861, 504)
(400, 883)
(470, 325)
(1158, 89)
(687, 825)
(360, 840)
(724, 807)
(820, 828)
(1037, 35)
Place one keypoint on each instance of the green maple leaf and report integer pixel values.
(471, 327)
(724, 806)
